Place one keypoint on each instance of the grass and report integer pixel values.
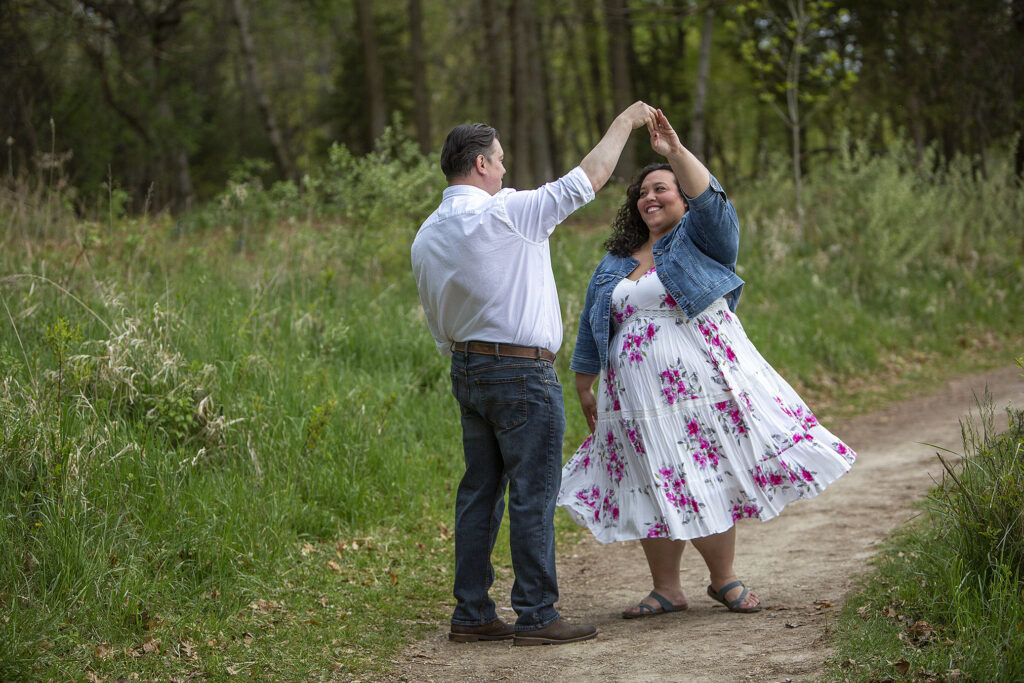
(946, 600)
(227, 443)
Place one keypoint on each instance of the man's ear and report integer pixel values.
(481, 161)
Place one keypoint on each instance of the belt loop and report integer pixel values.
(536, 350)
(497, 351)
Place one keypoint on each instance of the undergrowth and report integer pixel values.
(947, 601)
(227, 444)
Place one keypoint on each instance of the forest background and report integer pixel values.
(164, 99)
(226, 445)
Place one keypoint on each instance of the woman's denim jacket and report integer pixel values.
(696, 262)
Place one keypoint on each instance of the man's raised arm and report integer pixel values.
(601, 161)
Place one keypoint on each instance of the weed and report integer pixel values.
(946, 601)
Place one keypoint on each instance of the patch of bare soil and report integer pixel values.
(803, 565)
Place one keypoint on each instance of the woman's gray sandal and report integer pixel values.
(648, 611)
(733, 605)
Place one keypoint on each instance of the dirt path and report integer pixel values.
(800, 564)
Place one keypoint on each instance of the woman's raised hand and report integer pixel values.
(664, 140)
(638, 114)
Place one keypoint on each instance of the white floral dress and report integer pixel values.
(694, 429)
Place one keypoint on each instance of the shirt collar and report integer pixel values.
(464, 191)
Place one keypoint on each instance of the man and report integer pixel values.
(483, 270)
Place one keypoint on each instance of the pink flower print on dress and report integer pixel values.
(692, 428)
(614, 466)
(651, 329)
(590, 498)
(633, 434)
(760, 478)
(668, 300)
(730, 355)
(845, 451)
(609, 506)
(743, 509)
(624, 313)
(807, 476)
(658, 530)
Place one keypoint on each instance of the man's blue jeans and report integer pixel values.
(513, 420)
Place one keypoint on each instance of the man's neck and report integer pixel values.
(472, 181)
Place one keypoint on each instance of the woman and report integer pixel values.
(691, 429)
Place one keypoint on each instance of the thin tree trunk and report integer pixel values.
(497, 66)
(796, 8)
(700, 94)
(418, 62)
(600, 117)
(374, 70)
(619, 57)
(540, 118)
(522, 159)
(259, 94)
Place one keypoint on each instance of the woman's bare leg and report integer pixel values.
(663, 557)
(719, 551)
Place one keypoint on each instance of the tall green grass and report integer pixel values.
(947, 602)
(227, 442)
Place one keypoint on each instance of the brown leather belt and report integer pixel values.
(507, 350)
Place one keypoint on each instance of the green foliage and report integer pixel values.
(946, 601)
(253, 437)
(793, 50)
(907, 255)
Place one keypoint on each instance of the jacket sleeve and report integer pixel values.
(585, 356)
(714, 226)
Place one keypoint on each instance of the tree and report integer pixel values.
(374, 71)
(531, 151)
(132, 45)
(273, 132)
(792, 46)
(418, 73)
(922, 66)
(620, 56)
(700, 91)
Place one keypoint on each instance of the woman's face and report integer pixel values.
(660, 204)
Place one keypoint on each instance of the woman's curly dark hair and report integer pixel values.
(629, 232)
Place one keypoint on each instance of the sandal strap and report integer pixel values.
(720, 594)
(666, 605)
(739, 600)
(644, 607)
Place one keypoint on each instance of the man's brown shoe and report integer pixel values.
(555, 634)
(496, 630)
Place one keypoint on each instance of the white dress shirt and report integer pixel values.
(483, 268)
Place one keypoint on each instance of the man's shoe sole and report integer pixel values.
(473, 637)
(526, 640)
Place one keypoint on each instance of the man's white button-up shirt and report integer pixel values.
(483, 267)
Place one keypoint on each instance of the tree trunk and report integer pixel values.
(540, 117)
(497, 66)
(600, 117)
(700, 94)
(616, 14)
(522, 160)
(418, 62)
(259, 94)
(793, 103)
(374, 70)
